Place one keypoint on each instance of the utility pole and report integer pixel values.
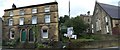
(69, 8)
(55, 0)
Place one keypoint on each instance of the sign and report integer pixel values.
(70, 31)
(74, 36)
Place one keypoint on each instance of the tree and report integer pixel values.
(63, 19)
(62, 28)
(77, 23)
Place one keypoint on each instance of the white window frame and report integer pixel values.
(11, 13)
(92, 25)
(11, 33)
(34, 10)
(10, 22)
(20, 21)
(107, 29)
(44, 35)
(21, 12)
(47, 8)
(92, 31)
(34, 19)
(47, 18)
(106, 19)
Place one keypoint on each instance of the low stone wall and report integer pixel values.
(95, 44)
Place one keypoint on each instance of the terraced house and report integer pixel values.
(34, 23)
(105, 19)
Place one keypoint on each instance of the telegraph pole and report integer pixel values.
(69, 8)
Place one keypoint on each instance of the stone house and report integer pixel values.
(31, 23)
(87, 20)
(105, 19)
(1, 31)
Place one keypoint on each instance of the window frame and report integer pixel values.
(107, 29)
(47, 18)
(22, 21)
(34, 20)
(34, 10)
(44, 33)
(47, 8)
(11, 13)
(10, 21)
(11, 33)
(22, 12)
(92, 26)
(106, 19)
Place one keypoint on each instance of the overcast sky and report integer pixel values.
(77, 6)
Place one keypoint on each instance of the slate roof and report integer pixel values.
(111, 10)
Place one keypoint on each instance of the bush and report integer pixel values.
(40, 45)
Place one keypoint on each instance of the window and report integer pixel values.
(44, 33)
(11, 13)
(47, 8)
(47, 18)
(107, 29)
(106, 19)
(34, 20)
(12, 34)
(10, 22)
(97, 26)
(92, 31)
(34, 10)
(21, 12)
(92, 25)
(21, 21)
(88, 20)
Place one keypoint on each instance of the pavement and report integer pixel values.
(109, 48)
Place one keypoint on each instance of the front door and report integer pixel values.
(23, 35)
(31, 37)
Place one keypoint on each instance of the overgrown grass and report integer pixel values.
(93, 41)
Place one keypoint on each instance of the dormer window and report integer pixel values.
(47, 8)
(21, 12)
(11, 13)
(34, 10)
(34, 19)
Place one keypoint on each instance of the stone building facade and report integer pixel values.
(1, 21)
(105, 19)
(31, 23)
(87, 20)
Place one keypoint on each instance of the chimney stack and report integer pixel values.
(88, 12)
(13, 6)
